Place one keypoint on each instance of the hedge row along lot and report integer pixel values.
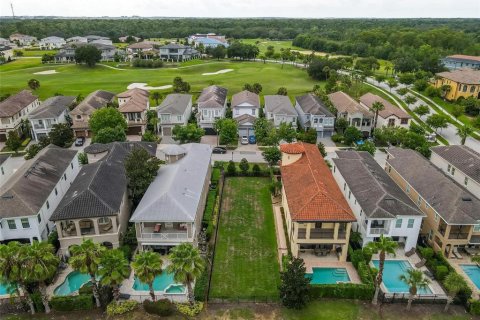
(245, 264)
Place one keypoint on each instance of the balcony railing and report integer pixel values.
(321, 234)
(166, 236)
(378, 231)
(460, 235)
(442, 231)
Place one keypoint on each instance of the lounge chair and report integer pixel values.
(470, 252)
(428, 274)
(456, 253)
(421, 263)
(410, 252)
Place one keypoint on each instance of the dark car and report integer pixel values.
(219, 150)
(79, 141)
(252, 140)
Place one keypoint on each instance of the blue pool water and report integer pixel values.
(328, 275)
(163, 282)
(4, 290)
(473, 272)
(74, 281)
(393, 269)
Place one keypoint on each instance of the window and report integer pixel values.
(79, 117)
(56, 192)
(453, 171)
(408, 188)
(476, 228)
(349, 194)
(361, 211)
(103, 220)
(410, 223)
(389, 169)
(48, 205)
(71, 165)
(419, 201)
(11, 224)
(318, 225)
(398, 223)
(320, 120)
(3, 172)
(315, 120)
(404, 121)
(465, 182)
(179, 118)
(65, 176)
(472, 89)
(39, 218)
(464, 88)
(344, 186)
(25, 223)
(448, 168)
(436, 217)
(430, 234)
(253, 112)
(355, 202)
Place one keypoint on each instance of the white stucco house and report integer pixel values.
(212, 104)
(279, 109)
(175, 109)
(14, 110)
(50, 43)
(245, 110)
(52, 111)
(390, 116)
(314, 114)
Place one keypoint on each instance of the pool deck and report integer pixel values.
(61, 275)
(455, 263)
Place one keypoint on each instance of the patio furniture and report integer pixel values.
(472, 251)
(157, 228)
(428, 274)
(421, 263)
(410, 252)
(456, 253)
(107, 227)
(85, 224)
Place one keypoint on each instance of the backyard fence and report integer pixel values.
(246, 300)
(419, 299)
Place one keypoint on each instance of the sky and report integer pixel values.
(247, 8)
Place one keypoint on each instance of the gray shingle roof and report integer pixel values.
(212, 97)
(93, 101)
(174, 195)
(450, 200)
(52, 107)
(175, 104)
(246, 96)
(461, 157)
(378, 195)
(15, 103)
(369, 99)
(313, 105)
(279, 105)
(28, 189)
(3, 158)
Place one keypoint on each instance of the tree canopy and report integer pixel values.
(88, 54)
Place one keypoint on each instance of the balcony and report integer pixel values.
(459, 235)
(166, 236)
(174, 232)
(321, 233)
(378, 231)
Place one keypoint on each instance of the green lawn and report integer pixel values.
(246, 264)
(37, 53)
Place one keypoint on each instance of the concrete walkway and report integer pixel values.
(281, 241)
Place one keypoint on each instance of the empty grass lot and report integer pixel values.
(245, 264)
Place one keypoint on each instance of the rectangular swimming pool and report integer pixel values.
(328, 275)
(392, 271)
(473, 272)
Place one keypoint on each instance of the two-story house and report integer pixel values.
(7, 167)
(51, 43)
(22, 39)
(318, 218)
(99, 39)
(6, 52)
(52, 111)
(352, 111)
(461, 163)
(314, 114)
(67, 52)
(178, 52)
(463, 83)
(390, 116)
(32, 193)
(279, 109)
(461, 61)
(133, 104)
(452, 212)
(144, 49)
(379, 205)
(174, 110)
(211, 104)
(77, 39)
(245, 110)
(208, 40)
(171, 211)
(97, 205)
(14, 110)
(81, 113)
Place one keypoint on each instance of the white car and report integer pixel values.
(244, 140)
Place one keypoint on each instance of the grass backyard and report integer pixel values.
(245, 264)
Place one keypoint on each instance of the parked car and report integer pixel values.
(431, 137)
(244, 140)
(79, 141)
(219, 150)
(252, 140)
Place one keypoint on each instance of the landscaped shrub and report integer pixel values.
(86, 289)
(37, 301)
(342, 291)
(337, 138)
(356, 257)
(474, 307)
(256, 169)
(26, 142)
(142, 63)
(162, 307)
(207, 216)
(53, 239)
(189, 310)
(364, 272)
(201, 283)
(122, 307)
(441, 272)
(127, 251)
(231, 169)
(130, 237)
(216, 175)
(426, 252)
(71, 303)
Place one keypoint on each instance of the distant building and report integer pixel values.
(14, 109)
(51, 43)
(6, 168)
(314, 114)
(22, 39)
(460, 61)
(142, 49)
(6, 52)
(77, 39)
(67, 52)
(4, 42)
(99, 39)
(201, 38)
(124, 39)
(390, 116)
(52, 111)
(178, 52)
(463, 83)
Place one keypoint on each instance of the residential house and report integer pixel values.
(461, 163)
(6, 52)
(176, 109)
(390, 116)
(4, 42)
(22, 39)
(52, 111)
(317, 216)
(77, 39)
(50, 43)
(178, 52)
(97, 205)
(452, 212)
(212, 104)
(14, 110)
(81, 113)
(29, 197)
(352, 111)
(460, 61)
(208, 40)
(67, 52)
(144, 49)
(463, 83)
(99, 40)
(378, 203)
(245, 110)
(125, 38)
(279, 109)
(133, 104)
(314, 114)
(7, 167)
(171, 211)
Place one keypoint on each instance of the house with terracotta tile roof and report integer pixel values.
(317, 215)
(133, 104)
(462, 83)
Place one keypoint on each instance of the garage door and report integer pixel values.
(134, 131)
(242, 132)
(166, 131)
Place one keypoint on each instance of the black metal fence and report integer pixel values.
(419, 299)
(240, 300)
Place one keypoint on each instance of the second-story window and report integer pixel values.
(25, 223)
(48, 205)
(465, 182)
(11, 224)
(398, 223)
(410, 223)
(408, 188)
(453, 171)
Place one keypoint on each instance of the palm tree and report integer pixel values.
(377, 106)
(384, 245)
(147, 265)
(86, 259)
(40, 264)
(463, 132)
(113, 269)
(186, 265)
(387, 68)
(415, 280)
(156, 96)
(454, 283)
(326, 71)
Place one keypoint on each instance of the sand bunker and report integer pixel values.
(47, 72)
(218, 72)
(145, 87)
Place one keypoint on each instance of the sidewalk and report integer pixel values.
(281, 241)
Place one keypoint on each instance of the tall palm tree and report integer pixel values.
(147, 265)
(186, 265)
(415, 280)
(113, 269)
(383, 246)
(377, 106)
(453, 283)
(463, 132)
(387, 68)
(40, 264)
(86, 259)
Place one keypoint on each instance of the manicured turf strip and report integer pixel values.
(245, 264)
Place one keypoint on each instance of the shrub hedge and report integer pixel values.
(71, 303)
(474, 307)
(201, 283)
(189, 310)
(162, 307)
(342, 291)
(122, 307)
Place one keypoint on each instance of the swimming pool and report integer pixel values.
(473, 272)
(73, 282)
(328, 275)
(4, 290)
(163, 282)
(392, 271)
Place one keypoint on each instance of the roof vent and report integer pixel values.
(7, 196)
(466, 199)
